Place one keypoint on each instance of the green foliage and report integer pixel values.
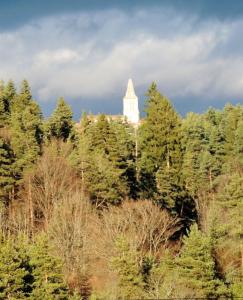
(160, 139)
(196, 267)
(7, 96)
(230, 199)
(232, 115)
(126, 265)
(26, 132)
(182, 165)
(60, 124)
(47, 272)
(103, 181)
(105, 165)
(103, 139)
(163, 278)
(195, 143)
(2, 106)
(15, 277)
(126, 137)
(238, 144)
(7, 179)
(172, 195)
(29, 270)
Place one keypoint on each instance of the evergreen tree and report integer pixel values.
(125, 263)
(103, 181)
(15, 277)
(26, 132)
(160, 136)
(7, 96)
(7, 180)
(104, 166)
(196, 267)
(84, 123)
(128, 152)
(103, 139)
(2, 106)
(231, 116)
(230, 199)
(163, 278)
(47, 272)
(195, 143)
(238, 144)
(172, 195)
(60, 124)
(161, 155)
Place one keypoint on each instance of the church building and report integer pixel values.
(130, 108)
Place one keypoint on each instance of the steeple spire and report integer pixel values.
(130, 104)
(130, 93)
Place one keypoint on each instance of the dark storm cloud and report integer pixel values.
(86, 51)
(13, 13)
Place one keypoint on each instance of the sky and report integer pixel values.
(86, 51)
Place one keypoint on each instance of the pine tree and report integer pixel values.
(7, 97)
(26, 130)
(196, 267)
(163, 277)
(161, 154)
(195, 142)
(238, 144)
(125, 264)
(231, 116)
(230, 199)
(84, 123)
(15, 277)
(104, 166)
(47, 272)
(60, 124)
(2, 106)
(103, 139)
(126, 136)
(160, 136)
(7, 179)
(103, 181)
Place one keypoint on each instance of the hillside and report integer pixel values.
(106, 210)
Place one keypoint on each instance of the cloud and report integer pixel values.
(90, 55)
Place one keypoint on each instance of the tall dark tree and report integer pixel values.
(160, 136)
(2, 106)
(195, 143)
(60, 124)
(196, 267)
(9, 94)
(15, 274)
(231, 116)
(26, 129)
(7, 179)
(99, 151)
(47, 272)
(126, 265)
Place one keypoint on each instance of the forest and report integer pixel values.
(105, 210)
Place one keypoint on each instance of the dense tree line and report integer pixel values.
(106, 210)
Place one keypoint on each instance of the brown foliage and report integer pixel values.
(145, 225)
(52, 179)
(70, 230)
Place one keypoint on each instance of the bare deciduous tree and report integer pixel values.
(70, 231)
(52, 180)
(144, 224)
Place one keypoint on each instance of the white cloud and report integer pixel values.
(59, 56)
(92, 54)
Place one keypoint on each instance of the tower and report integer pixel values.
(130, 104)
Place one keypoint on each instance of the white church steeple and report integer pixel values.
(130, 104)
